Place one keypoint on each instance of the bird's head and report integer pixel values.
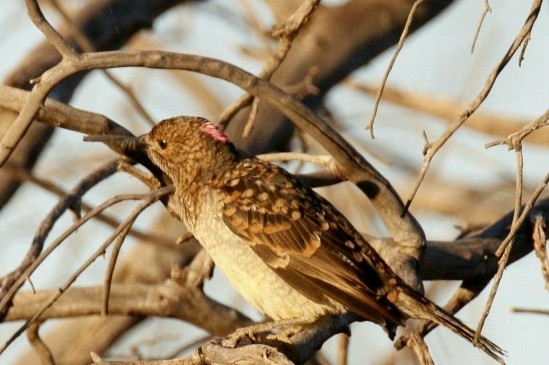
(188, 149)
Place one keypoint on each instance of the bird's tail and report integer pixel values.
(417, 306)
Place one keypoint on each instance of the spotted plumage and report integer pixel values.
(300, 235)
(286, 249)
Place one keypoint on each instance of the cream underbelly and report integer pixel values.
(252, 278)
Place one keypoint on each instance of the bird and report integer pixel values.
(287, 250)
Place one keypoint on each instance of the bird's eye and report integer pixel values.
(163, 144)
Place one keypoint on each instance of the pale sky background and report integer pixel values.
(435, 60)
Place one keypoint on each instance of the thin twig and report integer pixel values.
(540, 247)
(144, 176)
(529, 310)
(40, 91)
(433, 148)
(286, 33)
(519, 183)
(514, 140)
(132, 98)
(399, 46)
(147, 200)
(12, 282)
(446, 109)
(251, 118)
(41, 349)
(147, 237)
(504, 249)
(487, 9)
(109, 272)
(53, 37)
(418, 345)
(83, 41)
(305, 86)
(342, 349)
(229, 112)
(34, 265)
(47, 81)
(303, 146)
(61, 115)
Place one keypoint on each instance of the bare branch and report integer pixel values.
(343, 349)
(351, 164)
(530, 311)
(42, 350)
(505, 249)
(418, 345)
(167, 299)
(147, 200)
(433, 148)
(400, 44)
(448, 110)
(514, 140)
(148, 237)
(53, 37)
(85, 43)
(286, 33)
(13, 281)
(25, 274)
(540, 247)
(487, 9)
(107, 281)
(129, 20)
(61, 115)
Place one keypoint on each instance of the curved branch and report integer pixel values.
(96, 21)
(167, 299)
(351, 164)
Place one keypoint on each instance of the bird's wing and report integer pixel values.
(305, 240)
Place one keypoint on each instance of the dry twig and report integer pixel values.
(87, 46)
(514, 140)
(400, 44)
(13, 281)
(487, 9)
(432, 148)
(540, 247)
(418, 345)
(146, 200)
(286, 33)
(146, 237)
(505, 249)
(343, 349)
(41, 349)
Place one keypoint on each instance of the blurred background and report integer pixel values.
(467, 184)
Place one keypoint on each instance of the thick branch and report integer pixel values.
(96, 21)
(167, 299)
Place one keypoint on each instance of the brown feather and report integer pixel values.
(304, 241)
(271, 220)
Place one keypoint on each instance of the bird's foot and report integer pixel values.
(285, 329)
(285, 333)
(241, 333)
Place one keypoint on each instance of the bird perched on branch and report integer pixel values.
(286, 249)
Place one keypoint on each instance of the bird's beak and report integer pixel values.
(119, 143)
(141, 143)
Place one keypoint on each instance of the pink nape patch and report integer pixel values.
(217, 134)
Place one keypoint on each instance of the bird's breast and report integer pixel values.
(247, 272)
